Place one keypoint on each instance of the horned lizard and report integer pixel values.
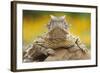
(57, 44)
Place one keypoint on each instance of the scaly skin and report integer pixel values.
(48, 47)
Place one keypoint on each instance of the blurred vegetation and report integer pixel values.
(34, 24)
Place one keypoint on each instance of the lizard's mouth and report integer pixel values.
(57, 33)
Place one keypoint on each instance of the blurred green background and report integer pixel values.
(34, 24)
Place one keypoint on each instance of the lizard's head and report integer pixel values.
(58, 27)
(57, 22)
